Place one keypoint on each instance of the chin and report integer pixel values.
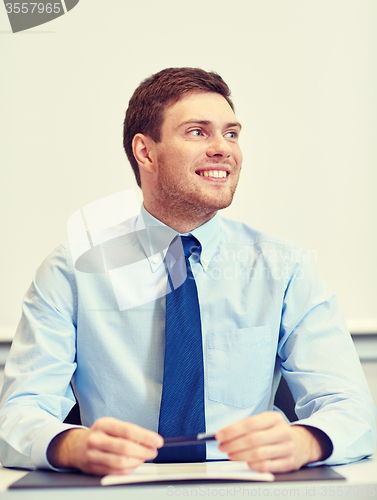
(214, 204)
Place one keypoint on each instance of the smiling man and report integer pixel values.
(194, 170)
(207, 357)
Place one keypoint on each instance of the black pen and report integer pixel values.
(200, 438)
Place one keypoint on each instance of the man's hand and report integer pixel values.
(110, 446)
(269, 444)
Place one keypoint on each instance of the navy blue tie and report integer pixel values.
(182, 402)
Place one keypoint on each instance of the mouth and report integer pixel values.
(213, 174)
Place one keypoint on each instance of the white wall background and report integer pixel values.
(303, 74)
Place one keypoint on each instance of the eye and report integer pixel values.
(196, 132)
(232, 134)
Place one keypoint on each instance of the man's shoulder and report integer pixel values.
(57, 263)
(238, 233)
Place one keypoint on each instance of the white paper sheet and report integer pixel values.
(191, 471)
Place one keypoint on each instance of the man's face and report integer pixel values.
(198, 157)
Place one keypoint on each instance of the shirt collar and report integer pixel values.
(158, 236)
(208, 235)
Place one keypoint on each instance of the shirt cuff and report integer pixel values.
(338, 450)
(42, 441)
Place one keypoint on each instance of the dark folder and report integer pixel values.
(52, 479)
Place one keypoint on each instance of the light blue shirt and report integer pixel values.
(99, 334)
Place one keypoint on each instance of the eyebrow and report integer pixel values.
(208, 122)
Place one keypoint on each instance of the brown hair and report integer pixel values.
(146, 108)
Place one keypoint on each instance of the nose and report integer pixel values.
(219, 146)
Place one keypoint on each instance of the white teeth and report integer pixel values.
(214, 173)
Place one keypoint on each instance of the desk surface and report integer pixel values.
(360, 483)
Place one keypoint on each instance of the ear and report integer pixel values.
(143, 148)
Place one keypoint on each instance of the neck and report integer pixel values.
(180, 222)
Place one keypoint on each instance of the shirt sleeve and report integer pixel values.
(322, 368)
(37, 394)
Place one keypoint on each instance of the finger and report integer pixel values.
(127, 430)
(98, 440)
(109, 461)
(104, 471)
(274, 435)
(262, 453)
(251, 424)
(283, 464)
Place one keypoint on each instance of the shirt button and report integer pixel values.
(155, 260)
(205, 261)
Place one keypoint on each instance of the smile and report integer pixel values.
(218, 174)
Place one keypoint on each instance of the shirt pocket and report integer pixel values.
(239, 365)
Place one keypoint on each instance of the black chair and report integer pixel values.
(73, 416)
(284, 401)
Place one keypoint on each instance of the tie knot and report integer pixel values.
(190, 245)
(186, 245)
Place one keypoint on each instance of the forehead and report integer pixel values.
(199, 106)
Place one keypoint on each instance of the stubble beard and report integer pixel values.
(183, 204)
(187, 201)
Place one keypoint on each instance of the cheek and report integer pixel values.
(183, 157)
(173, 152)
(237, 153)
